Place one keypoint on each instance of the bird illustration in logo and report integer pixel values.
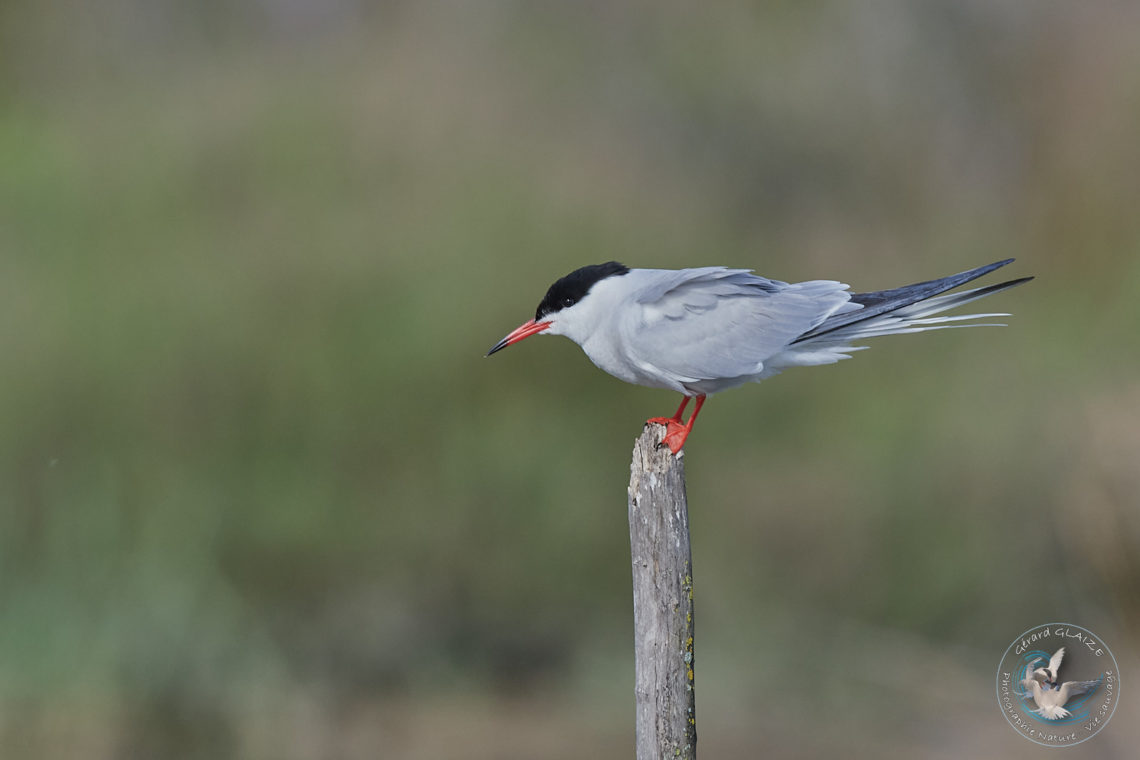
(1051, 696)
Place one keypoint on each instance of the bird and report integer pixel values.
(704, 330)
(1050, 696)
(1049, 674)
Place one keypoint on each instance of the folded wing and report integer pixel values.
(716, 323)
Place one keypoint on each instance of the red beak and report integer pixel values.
(526, 329)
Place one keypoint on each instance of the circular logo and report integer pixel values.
(1058, 684)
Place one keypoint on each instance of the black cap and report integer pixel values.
(573, 287)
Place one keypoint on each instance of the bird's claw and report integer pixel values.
(675, 433)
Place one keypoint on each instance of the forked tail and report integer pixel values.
(909, 309)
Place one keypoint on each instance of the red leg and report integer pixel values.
(676, 417)
(675, 432)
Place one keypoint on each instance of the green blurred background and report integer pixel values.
(261, 496)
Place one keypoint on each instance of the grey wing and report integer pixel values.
(673, 281)
(714, 323)
(1070, 689)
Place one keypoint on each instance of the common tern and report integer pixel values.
(1051, 696)
(705, 330)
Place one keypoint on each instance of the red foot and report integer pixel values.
(675, 436)
(676, 432)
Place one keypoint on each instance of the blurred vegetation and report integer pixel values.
(261, 496)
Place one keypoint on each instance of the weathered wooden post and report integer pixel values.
(662, 601)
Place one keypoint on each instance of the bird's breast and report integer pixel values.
(613, 358)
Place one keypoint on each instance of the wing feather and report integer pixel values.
(1055, 661)
(1071, 689)
(716, 323)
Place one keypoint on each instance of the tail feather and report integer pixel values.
(937, 320)
(908, 309)
(953, 300)
(905, 329)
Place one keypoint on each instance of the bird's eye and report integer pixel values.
(567, 301)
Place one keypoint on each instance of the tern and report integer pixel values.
(705, 330)
(1050, 696)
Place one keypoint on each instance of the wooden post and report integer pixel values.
(662, 601)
